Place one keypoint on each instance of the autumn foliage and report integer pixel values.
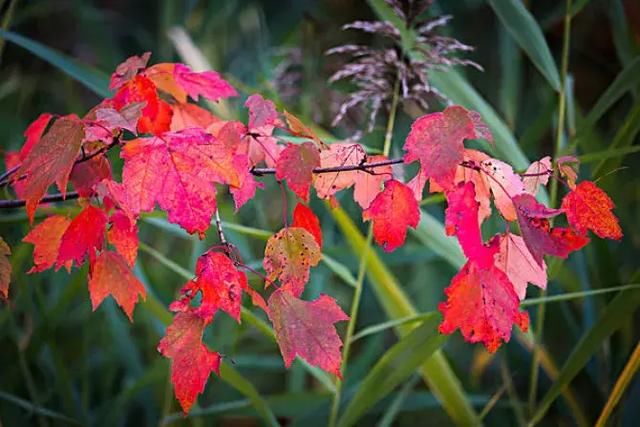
(179, 157)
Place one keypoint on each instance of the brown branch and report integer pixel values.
(360, 167)
(365, 167)
(58, 197)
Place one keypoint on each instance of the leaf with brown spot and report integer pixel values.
(288, 257)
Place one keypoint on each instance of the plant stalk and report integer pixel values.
(538, 332)
(355, 302)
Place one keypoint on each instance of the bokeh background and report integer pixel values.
(61, 364)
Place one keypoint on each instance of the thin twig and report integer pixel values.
(345, 168)
(4, 178)
(365, 167)
(58, 197)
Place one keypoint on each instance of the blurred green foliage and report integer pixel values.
(61, 364)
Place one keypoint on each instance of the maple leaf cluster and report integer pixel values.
(177, 155)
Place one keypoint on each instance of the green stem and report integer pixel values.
(538, 332)
(355, 302)
(388, 136)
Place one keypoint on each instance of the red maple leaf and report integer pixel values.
(177, 170)
(342, 154)
(482, 303)
(191, 360)
(236, 162)
(588, 207)
(392, 211)
(306, 329)
(190, 115)
(111, 275)
(519, 265)
(156, 115)
(85, 175)
(368, 184)
(220, 285)
(468, 174)
(83, 237)
(46, 238)
(461, 220)
(288, 256)
(436, 140)
(207, 84)
(111, 120)
(34, 132)
(262, 112)
(304, 217)
(123, 235)
(295, 165)
(537, 175)
(263, 119)
(297, 128)
(537, 234)
(505, 184)
(128, 70)
(50, 160)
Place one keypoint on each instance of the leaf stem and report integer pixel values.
(538, 331)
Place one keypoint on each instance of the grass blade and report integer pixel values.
(36, 409)
(616, 314)
(627, 79)
(608, 154)
(623, 381)
(395, 366)
(374, 329)
(575, 295)
(92, 79)
(396, 405)
(436, 370)
(623, 138)
(431, 233)
(525, 30)
(237, 381)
